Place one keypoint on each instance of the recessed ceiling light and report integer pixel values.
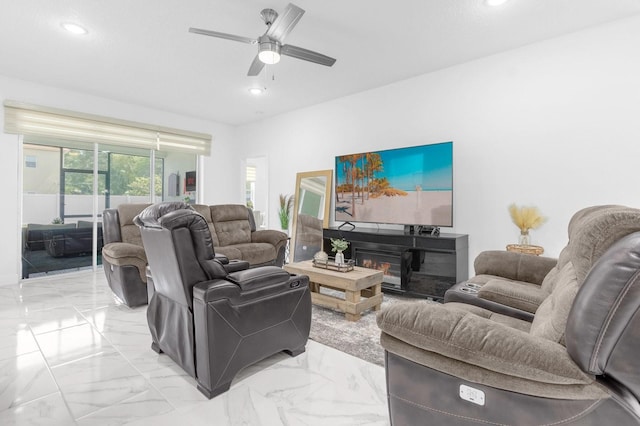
(496, 2)
(74, 28)
(256, 90)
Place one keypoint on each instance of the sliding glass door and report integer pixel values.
(63, 203)
(75, 165)
(58, 214)
(128, 172)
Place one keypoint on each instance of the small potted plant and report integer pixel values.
(338, 245)
(284, 211)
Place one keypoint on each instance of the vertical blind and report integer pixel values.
(34, 120)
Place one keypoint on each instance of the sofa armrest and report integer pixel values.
(271, 236)
(480, 342)
(250, 284)
(124, 253)
(251, 279)
(514, 266)
(519, 295)
(231, 265)
(208, 291)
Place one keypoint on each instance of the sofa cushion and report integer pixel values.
(231, 252)
(550, 280)
(128, 230)
(478, 346)
(498, 318)
(593, 231)
(550, 320)
(205, 211)
(231, 222)
(257, 253)
(513, 266)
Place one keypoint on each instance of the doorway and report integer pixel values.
(255, 180)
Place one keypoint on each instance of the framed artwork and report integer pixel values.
(190, 181)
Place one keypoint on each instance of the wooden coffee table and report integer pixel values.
(356, 284)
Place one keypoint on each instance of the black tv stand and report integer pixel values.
(417, 264)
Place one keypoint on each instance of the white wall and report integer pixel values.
(220, 167)
(555, 124)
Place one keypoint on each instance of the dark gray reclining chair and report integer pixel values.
(211, 316)
(577, 363)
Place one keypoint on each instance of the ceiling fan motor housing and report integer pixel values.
(269, 51)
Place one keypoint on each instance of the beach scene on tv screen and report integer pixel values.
(412, 185)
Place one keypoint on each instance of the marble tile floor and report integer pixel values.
(71, 354)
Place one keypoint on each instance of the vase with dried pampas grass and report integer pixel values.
(526, 218)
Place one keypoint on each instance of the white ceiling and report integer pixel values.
(140, 51)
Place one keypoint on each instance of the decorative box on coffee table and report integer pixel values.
(362, 287)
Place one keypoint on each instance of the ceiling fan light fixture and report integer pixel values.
(74, 28)
(256, 91)
(269, 52)
(496, 2)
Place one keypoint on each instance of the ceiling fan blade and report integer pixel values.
(256, 67)
(307, 55)
(285, 22)
(223, 35)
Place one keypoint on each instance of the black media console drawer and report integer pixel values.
(370, 237)
(435, 243)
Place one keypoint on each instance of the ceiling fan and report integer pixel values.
(270, 45)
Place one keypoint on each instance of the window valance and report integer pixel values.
(33, 120)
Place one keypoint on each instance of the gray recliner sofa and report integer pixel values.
(515, 284)
(233, 233)
(575, 363)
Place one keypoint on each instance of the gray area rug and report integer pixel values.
(358, 338)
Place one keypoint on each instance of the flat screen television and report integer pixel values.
(406, 186)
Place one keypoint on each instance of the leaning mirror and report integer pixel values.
(311, 212)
